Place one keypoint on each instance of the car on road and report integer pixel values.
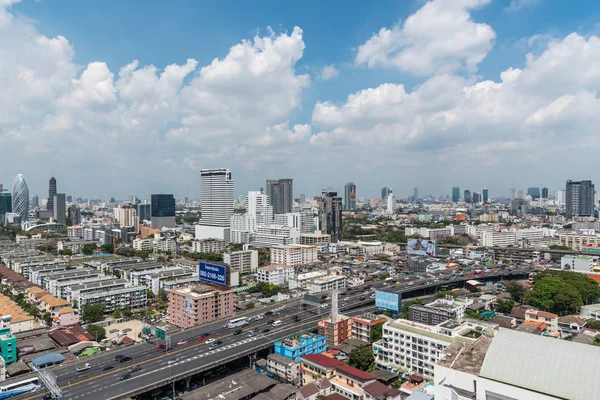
(213, 346)
(118, 357)
(135, 368)
(182, 341)
(160, 346)
(295, 318)
(362, 298)
(125, 376)
(237, 332)
(324, 305)
(83, 367)
(251, 333)
(125, 359)
(210, 341)
(271, 321)
(108, 368)
(47, 396)
(269, 313)
(266, 330)
(173, 361)
(258, 317)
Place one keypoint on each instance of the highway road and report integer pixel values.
(195, 357)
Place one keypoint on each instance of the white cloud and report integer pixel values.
(329, 72)
(440, 37)
(517, 5)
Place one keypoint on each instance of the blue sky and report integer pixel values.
(164, 33)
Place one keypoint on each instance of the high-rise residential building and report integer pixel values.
(216, 190)
(330, 214)
(385, 192)
(579, 199)
(350, 196)
(144, 212)
(534, 192)
(35, 201)
(302, 199)
(20, 197)
(416, 194)
(5, 204)
(259, 208)
(280, 192)
(390, 204)
(544, 193)
(467, 196)
(51, 194)
(74, 215)
(59, 211)
(476, 197)
(485, 195)
(560, 196)
(455, 194)
(162, 211)
(127, 216)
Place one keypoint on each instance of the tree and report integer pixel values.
(555, 295)
(557, 247)
(48, 318)
(88, 249)
(163, 295)
(384, 275)
(505, 306)
(127, 313)
(593, 324)
(362, 358)
(93, 312)
(250, 306)
(406, 305)
(516, 291)
(395, 237)
(472, 314)
(108, 248)
(443, 293)
(149, 294)
(98, 332)
(267, 289)
(144, 255)
(65, 252)
(377, 332)
(116, 314)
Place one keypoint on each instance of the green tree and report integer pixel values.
(92, 312)
(65, 252)
(98, 332)
(250, 306)
(267, 289)
(144, 255)
(362, 358)
(377, 332)
(116, 314)
(108, 248)
(472, 314)
(163, 295)
(596, 340)
(48, 318)
(150, 294)
(395, 237)
(443, 293)
(88, 249)
(516, 291)
(384, 275)
(555, 295)
(505, 306)
(593, 324)
(406, 305)
(557, 247)
(127, 313)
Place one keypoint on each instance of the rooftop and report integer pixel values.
(322, 360)
(274, 267)
(354, 372)
(466, 357)
(197, 291)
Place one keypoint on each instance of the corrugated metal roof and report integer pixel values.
(52, 358)
(556, 367)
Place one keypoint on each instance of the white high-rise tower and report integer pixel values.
(216, 191)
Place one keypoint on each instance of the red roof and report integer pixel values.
(322, 360)
(354, 372)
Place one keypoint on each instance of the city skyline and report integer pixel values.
(481, 102)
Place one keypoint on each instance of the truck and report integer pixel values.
(84, 367)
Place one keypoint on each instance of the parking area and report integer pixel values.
(133, 328)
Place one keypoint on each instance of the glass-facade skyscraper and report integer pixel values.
(485, 195)
(350, 196)
(580, 199)
(455, 194)
(51, 194)
(281, 195)
(20, 197)
(163, 210)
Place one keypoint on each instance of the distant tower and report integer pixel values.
(485, 195)
(350, 196)
(455, 194)
(20, 197)
(334, 306)
(51, 194)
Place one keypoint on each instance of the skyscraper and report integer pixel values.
(258, 207)
(455, 194)
(5, 204)
(384, 193)
(59, 205)
(579, 199)
(485, 195)
(350, 196)
(216, 190)
(20, 197)
(544, 193)
(476, 198)
(74, 215)
(467, 196)
(416, 194)
(144, 212)
(390, 207)
(51, 194)
(281, 196)
(534, 192)
(330, 214)
(35, 201)
(162, 210)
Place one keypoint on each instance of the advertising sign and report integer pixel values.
(387, 300)
(212, 273)
(421, 247)
(189, 307)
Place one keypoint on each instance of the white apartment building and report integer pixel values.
(301, 281)
(413, 347)
(275, 274)
(74, 245)
(271, 235)
(294, 254)
(164, 245)
(208, 246)
(259, 208)
(390, 204)
(75, 232)
(578, 240)
(142, 244)
(326, 283)
(578, 263)
(73, 293)
(242, 228)
(132, 297)
(216, 192)
(499, 239)
(528, 236)
(245, 261)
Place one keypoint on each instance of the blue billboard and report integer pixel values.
(387, 300)
(212, 273)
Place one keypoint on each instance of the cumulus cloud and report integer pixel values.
(517, 5)
(440, 37)
(329, 72)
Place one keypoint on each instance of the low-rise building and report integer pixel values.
(437, 312)
(52, 304)
(246, 261)
(499, 239)
(286, 369)
(550, 319)
(73, 293)
(315, 367)
(336, 332)
(294, 255)
(208, 246)
(350, 382)
(326, 283)
(197, 305)
(67, 316)
(578, 263)
(316, 238)
(142, 244)
(297, 346)
(301, 281)
(14, 317)
(591, 310)
(275, 274)
(578, 240)
(363, 325)
(8, 346)
(132, 297)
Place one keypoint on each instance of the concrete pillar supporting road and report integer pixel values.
(187, 384)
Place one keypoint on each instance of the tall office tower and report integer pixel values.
(5, 204)
(59, 211)
(51, 194)
(350, 196)
(416, 194)
(455, 194)
(467, 196)
(20, 197)
(384, 193)
(579, 199)
(216, 189)
(69, 199)
(485, 195)
(280, 192)
(144, 212)
(302, 199)
(162, 210)
(258, 207)
(534, 192)
(35, 201)
(330, 214)
(476, 197)
(544, 193)
(74, 215)
(390, 204)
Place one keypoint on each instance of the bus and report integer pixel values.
(17, 388)
(236, 323)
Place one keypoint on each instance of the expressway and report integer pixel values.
(195, 357)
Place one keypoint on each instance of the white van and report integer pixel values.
(277, 323)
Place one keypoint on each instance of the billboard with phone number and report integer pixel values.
(421, 247)
(212, 273)
(387, 300)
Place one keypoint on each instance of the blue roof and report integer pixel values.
(52, 358)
